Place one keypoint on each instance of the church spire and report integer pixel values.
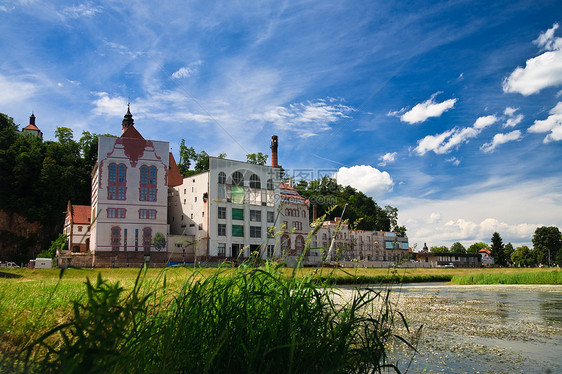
(128, 119)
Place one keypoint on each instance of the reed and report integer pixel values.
(519, 277)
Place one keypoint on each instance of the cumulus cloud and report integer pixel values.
(539, 72)
(452, 139)
(501, 139)
(366, 179)
(552, 124)
(422, 111)
(387, 158)
(110, 106)
(306, 119)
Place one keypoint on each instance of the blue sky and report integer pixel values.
(449, 111)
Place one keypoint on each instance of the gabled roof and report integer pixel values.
(80, 214)
(131, 132)
(174, 176)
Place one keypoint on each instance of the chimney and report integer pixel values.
(314, 213)
(274, 151)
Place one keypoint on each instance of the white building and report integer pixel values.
(130, 198)
(228, 210)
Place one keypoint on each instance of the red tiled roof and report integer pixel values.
(31, 127)
(485, 251)
(174, 176)
(131, 132)
(81, 214)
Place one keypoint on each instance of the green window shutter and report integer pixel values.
(238, 214)
(237, 195)
(238, 230)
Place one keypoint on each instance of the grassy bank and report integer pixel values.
(523, 276)
(183, 320)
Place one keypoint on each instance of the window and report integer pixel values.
(238, 231)
(221, 229)
(79, 228)
(147, 213)
(270, 217)
(255, 231)
(117, 182)
(110, 212)
(147, 238)
(238, 214)
(136, 240)
(255, 181)
(221, 212)
(115, 238)
(200, 227)
(388, 245)
(405, 245)
(147, 190)
(285, 243)
(221, 250)
(237, 194)
(299, 244)
(255, 216)
(297, 226)
(237, 179)
(222, 178)
(269, 184)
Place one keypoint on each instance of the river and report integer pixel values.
(480, 329)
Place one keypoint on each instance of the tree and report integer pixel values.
(523, 256)
(256, 158)
(392, 214)
(400, 231)
(187, 155)
(159, 241)
(547, 242)
(497, 249)
(474, 248)
(59, 244)
(441, 249)
(508, 251)
(457, 247)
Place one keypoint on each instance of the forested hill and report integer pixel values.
(361, 209)
(38, 177)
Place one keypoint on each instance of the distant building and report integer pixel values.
(32, 129)
(77, 227)
(457, 260)
(293, 216)
(486, 256)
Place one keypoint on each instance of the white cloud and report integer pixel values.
(514, 121)
(387, 158)
(82, 10)
(483, 122)
(366, 179)
(449, 140)
(430, 108)
(187, 71)
(509, 111)
(539, 72)
(306, 119)
(552, 123)
(453, 160)
(477, 210)
(501, 139)
(12, 90)
(110, 106)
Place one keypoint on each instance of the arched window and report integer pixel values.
(304, 213)
(222, 178)
(147, 238)
(237, 179)
(255, 181)
(285, 243)
(296, 212)
(287, 212)
(269, 184)
(117, 182)
(148, 181)
(299, 244)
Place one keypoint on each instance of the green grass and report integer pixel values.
(545, 276)
(252, 320)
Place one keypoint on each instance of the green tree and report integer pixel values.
(187, 156)
(474, 248)
(440, 249)
(497, 249)
(457, 247)
(159, 241)
(523, 256)
(508, 251)
(547, 242)
(256, 158)
(59, 244)
(400, 231)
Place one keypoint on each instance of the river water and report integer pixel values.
(480, 329)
